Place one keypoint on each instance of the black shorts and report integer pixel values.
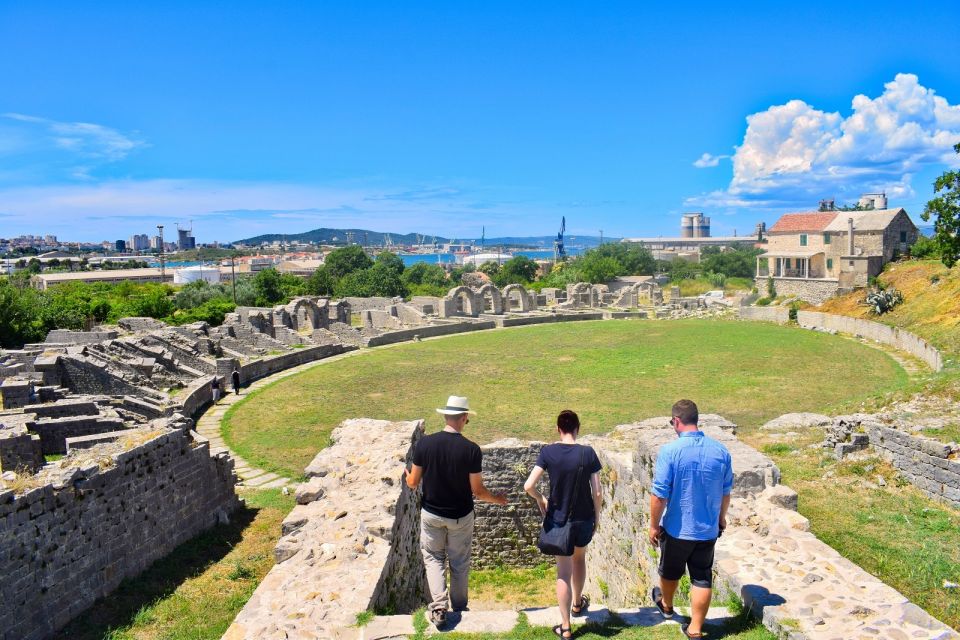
(582, 532)
(677, 556)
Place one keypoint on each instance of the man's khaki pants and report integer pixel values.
(446, 539)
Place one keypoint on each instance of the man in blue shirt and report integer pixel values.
(689, 498)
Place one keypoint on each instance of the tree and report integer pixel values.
(392, 261)
(635, 258)
(34, 266)
(947, 209)
(597, 269)
(517, 270)
(321, 282)
(423, 273)
(347, 260)
(268, 288)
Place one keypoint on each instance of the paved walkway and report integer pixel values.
(208, 425)
(503, 621)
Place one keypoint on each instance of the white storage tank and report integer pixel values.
(186, 275)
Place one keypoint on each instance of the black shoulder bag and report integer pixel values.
(556, 539)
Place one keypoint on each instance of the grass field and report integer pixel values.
(519, 379)
(196, 591)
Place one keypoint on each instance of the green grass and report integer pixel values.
(196, 591)
(741, 627)
(894, 532)
(509, 587)
(519, 379)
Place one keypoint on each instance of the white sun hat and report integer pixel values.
(456, 405)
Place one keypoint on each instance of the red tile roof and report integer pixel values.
(812, 221)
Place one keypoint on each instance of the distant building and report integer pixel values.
(814, 255)
(138, 242)
(694, 225)
(186, 275)
(120, 246)
(156, 243)
(44, 281)
(185, 241)
(694, 235)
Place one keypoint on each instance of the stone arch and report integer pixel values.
(461, 301)
(304, 314)
(489, 299)
(516, 298)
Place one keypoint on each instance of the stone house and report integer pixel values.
(815, 255)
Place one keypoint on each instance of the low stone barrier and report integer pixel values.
(927, 464)
(892, 336)
(55, 431)
(199, 394)
(780, 315)
(65, 544)
(266, 366)
(519, 321)
(430, 331)
(66, 336)
(351, 544)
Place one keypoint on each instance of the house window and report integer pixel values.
(803, 239)
(826, 238)
(830, 264)
(903, 236)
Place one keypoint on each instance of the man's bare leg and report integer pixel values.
(669, 589)
(699, 605)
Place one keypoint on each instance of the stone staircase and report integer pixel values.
(503, 621)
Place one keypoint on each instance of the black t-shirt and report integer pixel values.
(447, 460)
(560, 461)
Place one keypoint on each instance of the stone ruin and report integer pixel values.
(351, 543)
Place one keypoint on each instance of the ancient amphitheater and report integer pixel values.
(137, 476)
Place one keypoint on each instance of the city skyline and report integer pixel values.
(445, 120)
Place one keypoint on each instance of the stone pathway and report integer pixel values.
(208, 425)
(503, 621)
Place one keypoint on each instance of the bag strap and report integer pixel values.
(576, 485)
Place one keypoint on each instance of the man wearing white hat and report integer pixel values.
(450, 467)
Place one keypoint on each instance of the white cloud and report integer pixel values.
(794, 153)
(78, 142)
(708, 160)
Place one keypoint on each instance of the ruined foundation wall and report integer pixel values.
(926, 463)
(428, 332)
(82, 376)
(64, 545)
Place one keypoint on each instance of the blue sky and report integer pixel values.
(444, 117)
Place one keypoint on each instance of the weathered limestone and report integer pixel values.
(85, 528)
(354, 547)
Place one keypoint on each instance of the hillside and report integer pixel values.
(376, 238)
(931, 302)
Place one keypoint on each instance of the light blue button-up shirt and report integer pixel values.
(692, 474)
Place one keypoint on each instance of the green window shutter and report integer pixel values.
(829, 263)
(803, 239)
(786, 263)
(826, 238)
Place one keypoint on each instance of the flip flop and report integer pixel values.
(657, 596)
(559, 630)
(581, 606)
(683, 629)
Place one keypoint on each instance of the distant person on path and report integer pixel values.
(575, 496)
(235, 378)
(450, 467)
(692, 481)
(215, 387)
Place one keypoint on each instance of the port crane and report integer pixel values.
(559, 252)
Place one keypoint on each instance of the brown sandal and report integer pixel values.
(559, 630)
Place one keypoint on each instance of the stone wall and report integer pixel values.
(892, 336)
(358, 305)
(519, 321)
(54, 432)
(19, 450)
(428, 332)
(199, 393)
(83, 376)
(507, 536)
(929, 465)
(350, 545)
(812, 291)
(66, 544)
(780, 315)
(266, 366)
(65, 336)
